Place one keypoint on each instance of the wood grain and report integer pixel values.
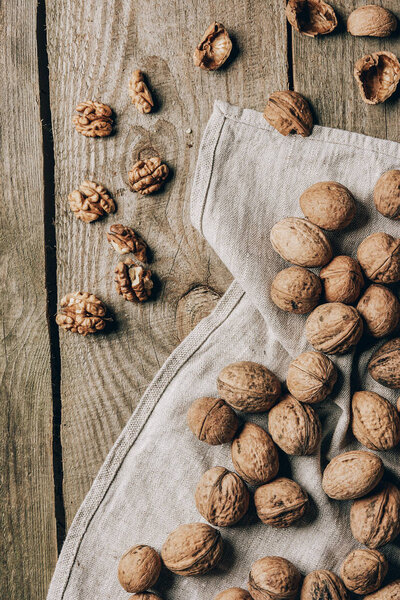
(27, 523)
(93, 48)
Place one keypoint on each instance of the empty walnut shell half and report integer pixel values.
(82, 313)
(294, 426)
(124, 240)
(234, 593)
(280, 502)
(139, 568)
(323, 585)
(389, 592)
(274, 578)
(363, 571)
(387, 194)
(334, 328)
(377, 76)
(311, 17)
(342, 279)
(212, 420)
(352, 475)
(379, 256)
(384, 365)
(311, 377)
(380, 310)
(254, 454)
(222, 498)
(371, 20)
(289, 112)
(296, 290)
(214, 48)
(148, 176)
(375, 421)
(132, 281)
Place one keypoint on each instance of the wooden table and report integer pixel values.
(66, 398)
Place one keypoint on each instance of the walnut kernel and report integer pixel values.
(280, 502)
(387, 194)
(296, 290)
(222, 498)
(342, 280)
(289, 112)
(363, 571)
(311, 377)
(377, 75)
(82, 313)
(148, 176)
(294, 427)
(380, 310)
(334, 328)
(140, 93)
(132, 281)
(254, 455)
(192, 549)
(352, 475)
(213, 49)
(125, 240)
(311, 17)
(274, 578)
(371, 20)
(90, 202)
(139, 569)
(94, 120)
(301, 242)
(212, 420)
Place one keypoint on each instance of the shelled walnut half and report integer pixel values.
(133, 282)
(91, 201)
(94, 119)
(140, 93)
(148, 176)
(213, 49)
(82, 312)
(125, 240)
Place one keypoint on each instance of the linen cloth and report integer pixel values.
(248, 177)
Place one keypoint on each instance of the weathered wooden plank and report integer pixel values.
(323, 71)
(27, 523)
(93, 48)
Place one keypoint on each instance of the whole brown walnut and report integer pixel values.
(274, 578)
(213, 49)
(289, 112)
(280, 502)
(342, 280)
(311, 377)
(294, 427)
(222, 498)
(140, 93)
(380, 310)
(387, 194)
(328, 204)
(296, 290)
(384, 365)
(254, 455)
(323, 585)
(352, 475)
(389, 592)
(377, 75)
(145, 596)
(192, 549)
(375, 421)
(248, 386)
(375, 519)
(90, 202)
(212, 420)
(234, 593)
(139, 568)
(311, 17)
(82, 312)
(371, 20)
(301, 242)
(334, 328)
(125, 240)
(132, 281)
(148, 176)
(94, 120)
(363, 571)
(379, 256)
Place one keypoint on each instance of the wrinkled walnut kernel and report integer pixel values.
(133, 282)
(289, 112)
(311, 17)
(140, 93)
(125, 240)
(90, 202)
(377, 76)
(148, 176)
(94, 120)
(82, 313)
(214, 48)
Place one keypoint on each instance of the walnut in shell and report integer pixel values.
(274, 578)
(294, 426)
(323, 585)
(222, 498)
(148, 176)
(334, 328)
(254, 455)
(248, 386)
(380, 310)
(132, 281)
(371, 20)
(289, 112)
(192, 549)
(125, 240)
(377, 75)
(311, 17)
(311, 377)
(280, 502)
(389, 592)
(234, 593)
(212, 420)
(82, 312)
(145, 596)
(363, 571)
(387, 194)
(94, 119)
(139, 569)
(301, 242)
(384, 365)
(140, 93)
(328, 204)
(214, 48)
(342, 280)
(375, 519)
(352, 475)
(375, 421)
(296, 290)
(90, 202)
(379, 256)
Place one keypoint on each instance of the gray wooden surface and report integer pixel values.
(93, 47)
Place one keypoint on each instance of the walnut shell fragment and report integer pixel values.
(234, 593)
(289, 112)
(371, 20)
(375, 519)
(192, 549)
(363, 571)
(212, 420)
(132, 281)
(280, 502)
(352, 475)
(334, 328)
(384, 365)
(222, 498)
(90, 202)
(323, 585)
(387, 194)
(301, 242)
(95, 119)
(254, 455)
(296, 290)
(294, 427)
(380, 310)
(125, 240)
(311, 17)
(379, 256)
(274, 578)
(375, 422)
(328, 204)
(342, 279)
(140, 93)
(311, 377)
(389, 592)
(148, 176)
(377, 75)
(139, 568)
(82, 312)
(213, 49)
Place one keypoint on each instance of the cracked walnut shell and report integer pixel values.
(352, 475)
(296, 290)
(132, 281)
(222, 498)
(212, 420)
(140, 93)
(375, 421)
(274, 578)
(148, 176)
(328, 204)
(82, 313)
(323, 585)
(363, 571)
(301, 242)
(389, 592)
(342, 279)
(387, 194)
(294, 427)
(311, 377)
(139, 569)
(213, 49)
(334, 328)
(384, 365)
(311, 17)
(234, 593)
(375, 519)
(289, 112)
(377, 75)
(280, 502)
(371, 20)
(125, 240)
(254, 455)
(192, 549)
(379, 256)
(380, 310)
(94, 120)
(90, 202)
